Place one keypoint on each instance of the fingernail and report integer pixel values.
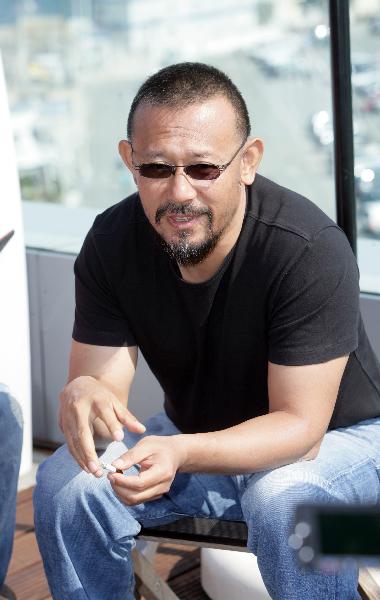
(118, 435)
(118, 463)
(142, 427)
(93, 466)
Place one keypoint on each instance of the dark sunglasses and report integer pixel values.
(199, 171)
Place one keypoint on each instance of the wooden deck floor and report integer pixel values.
(180, 565)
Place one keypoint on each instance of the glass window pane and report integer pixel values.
(365, 59)
(72, 69)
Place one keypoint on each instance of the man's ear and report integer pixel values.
(125, 151)
(251, 159)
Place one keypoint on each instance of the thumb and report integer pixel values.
(126, 460)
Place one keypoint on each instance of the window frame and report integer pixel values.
(340, 49)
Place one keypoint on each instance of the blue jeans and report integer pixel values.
(85, 533)
(10, 454)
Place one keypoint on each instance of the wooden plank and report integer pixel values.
(24, 517)
(172, 560)
(188, 586)
(25, 495)
(25, 553)
(29, 583)
(22, 530)
(24, 512)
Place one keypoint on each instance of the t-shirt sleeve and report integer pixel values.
(99, 318)
(315, 312)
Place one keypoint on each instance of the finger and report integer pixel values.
(135, 456)
(67, 432)
(79, 435)
(114, 426)
(92, 467)
(131, 498)
(128, 419)
(75, 453)
(138, 499)
(146, 479)
(84, 443)
(121, 460)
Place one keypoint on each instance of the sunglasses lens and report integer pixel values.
(202, 171)
(155, 170)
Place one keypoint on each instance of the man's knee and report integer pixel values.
(65, 494)
(60, 482)
(274, 495)
(270, 500)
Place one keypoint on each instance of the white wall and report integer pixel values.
(14, 318)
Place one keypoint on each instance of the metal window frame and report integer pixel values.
(340, 48)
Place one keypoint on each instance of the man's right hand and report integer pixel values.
(82, 401)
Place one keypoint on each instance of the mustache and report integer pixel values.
(181, 209)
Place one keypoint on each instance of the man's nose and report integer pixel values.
(181, 188)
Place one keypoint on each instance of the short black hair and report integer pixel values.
(187, 83)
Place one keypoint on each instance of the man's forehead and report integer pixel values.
(216, 110)
(198, 126)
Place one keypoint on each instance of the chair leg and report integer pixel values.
(141, 591)
(153, 586)
(138, 588)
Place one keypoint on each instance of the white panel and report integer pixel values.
(56, 280)
(52, 303)
(38, 381)
(14, 322)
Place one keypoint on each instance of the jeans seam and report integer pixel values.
(350, 469)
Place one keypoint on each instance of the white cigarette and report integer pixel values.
(110, 468)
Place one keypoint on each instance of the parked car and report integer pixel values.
(372, 100)
(367, 185)
(284, 57)
(321, 128)
(365, 72)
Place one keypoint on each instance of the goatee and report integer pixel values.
(183, 251)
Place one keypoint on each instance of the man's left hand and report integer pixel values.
(159, 458)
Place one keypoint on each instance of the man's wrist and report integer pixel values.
(193, 449)
(80, 379)
(183, 449)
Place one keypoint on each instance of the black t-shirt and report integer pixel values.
(287, 293)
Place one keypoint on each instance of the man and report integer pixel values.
(243, 298)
